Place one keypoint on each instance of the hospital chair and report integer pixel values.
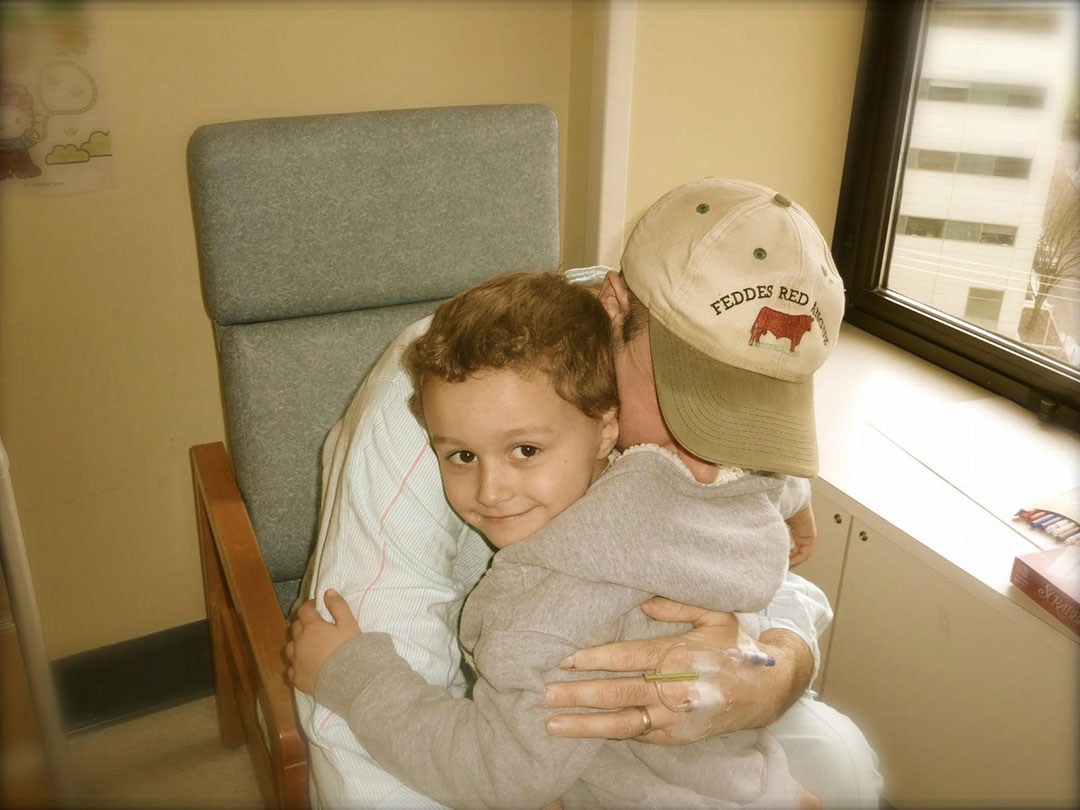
(319, 238)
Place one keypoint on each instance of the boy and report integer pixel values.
(514, 380)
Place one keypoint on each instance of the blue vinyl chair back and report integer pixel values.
(319, 239)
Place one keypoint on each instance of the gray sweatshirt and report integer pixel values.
(645, 528)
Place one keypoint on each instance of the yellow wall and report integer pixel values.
(107, 367)
(757, 90)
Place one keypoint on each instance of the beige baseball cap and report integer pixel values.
(745, 304)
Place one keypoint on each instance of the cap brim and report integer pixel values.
(730, 416)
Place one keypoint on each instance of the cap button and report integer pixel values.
(780, 199)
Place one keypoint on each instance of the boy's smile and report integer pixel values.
(513, 454)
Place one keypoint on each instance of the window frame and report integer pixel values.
(885, 93)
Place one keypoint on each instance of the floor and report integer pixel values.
(173, 758)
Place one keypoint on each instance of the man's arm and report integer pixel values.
(761, 698)
(790, 626)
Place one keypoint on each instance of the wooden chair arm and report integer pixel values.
(251, 592)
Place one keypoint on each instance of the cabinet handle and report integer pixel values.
(863, 536)
(838, 518)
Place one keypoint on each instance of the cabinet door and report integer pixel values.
(825, 566)
(964, 700)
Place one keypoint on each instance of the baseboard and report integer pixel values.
(139, 676)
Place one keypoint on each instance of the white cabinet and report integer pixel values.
(968, 698)
(826, 565)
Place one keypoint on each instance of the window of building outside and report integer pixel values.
(984, 307)
(958, 230)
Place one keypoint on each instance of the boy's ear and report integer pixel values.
(609, 432)
(615, 299)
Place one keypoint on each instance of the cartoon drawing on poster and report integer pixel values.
(17, 132)
(53, 133)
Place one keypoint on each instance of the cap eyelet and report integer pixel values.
(703, 208)
(759, 253)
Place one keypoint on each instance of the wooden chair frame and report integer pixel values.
(247, 635)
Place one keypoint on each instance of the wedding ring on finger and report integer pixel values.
(646, 719)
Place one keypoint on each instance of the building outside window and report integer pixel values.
(960, 210)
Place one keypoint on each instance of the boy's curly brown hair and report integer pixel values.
(524, 322)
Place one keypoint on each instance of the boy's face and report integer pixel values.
(513, 454)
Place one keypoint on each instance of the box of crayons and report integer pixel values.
(1057, 518)
(1058, 527)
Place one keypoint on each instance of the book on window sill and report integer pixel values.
(1052, 578)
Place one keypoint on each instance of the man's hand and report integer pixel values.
(314, 639)
(762, 696)
(803, 536)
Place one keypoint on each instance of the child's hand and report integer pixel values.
(314, 639)
(803, 534)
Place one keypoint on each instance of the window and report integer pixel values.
(983, 307)
(991, 94)
(976, 164)
(948, 91)
(935, 161)
(967, 163)
(1012, 167)
(982, 279)
(923, 226)
(997, 235)
(956, 229)
(1002, 95)
(1032, 97)
(962, 231)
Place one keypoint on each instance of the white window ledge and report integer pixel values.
(938, 463)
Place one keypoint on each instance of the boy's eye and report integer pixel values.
(462, 457)
(525, 451)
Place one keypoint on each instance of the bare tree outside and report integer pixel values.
(1055, 269)
(1057, 256)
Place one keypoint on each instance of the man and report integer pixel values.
(404, 562)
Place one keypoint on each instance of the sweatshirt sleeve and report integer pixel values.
(795, 495)
(798, 605)
(488, 751)
(802, 608)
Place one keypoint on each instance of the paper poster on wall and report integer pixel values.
(54, 133)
